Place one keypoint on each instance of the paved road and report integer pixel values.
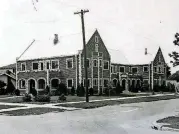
(120, 119)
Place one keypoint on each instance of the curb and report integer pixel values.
(159, 126)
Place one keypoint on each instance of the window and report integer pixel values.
(115, 69)
(95, 82)
(159, 70)
(155, 69)
(55, 64)
(105, 82)
(96, 47)
(122, 69)
(41, 84)
(41, 66)
(69, 63)
(106, 65)
(35, 66)
(22, 84)
(95, 63)
(100, 63)
(134, 70)
(69, 83)
(48, 65)
(146, 81)
(112, 69)
(96, 39)
(114, 82)
(145, 69)
(23, 67)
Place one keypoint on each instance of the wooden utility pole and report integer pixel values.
(82, 12)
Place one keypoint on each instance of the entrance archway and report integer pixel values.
(55, 83)
(133, 83)
(31, 85)
(123, 84)
(41, 84)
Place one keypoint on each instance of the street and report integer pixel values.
(133, 118)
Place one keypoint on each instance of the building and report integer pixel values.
(103, 66)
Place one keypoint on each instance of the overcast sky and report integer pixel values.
(125, 25)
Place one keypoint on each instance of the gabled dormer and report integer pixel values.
(95, 46)
(159, 58)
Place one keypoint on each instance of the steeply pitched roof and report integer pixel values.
(10, 66)
(71, 44)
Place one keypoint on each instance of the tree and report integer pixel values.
(168, 71)
(175, 55)
(2, 84)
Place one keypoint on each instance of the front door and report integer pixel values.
(123, 84)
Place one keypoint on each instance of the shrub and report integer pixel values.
(42, 98)
(72, 91)
(62, 98)
(110, 91)
(34, 92)
(118, 88)
(2, 91)
(27, 98)
(91, 91)
(17, 92)
(47, 90)
(80, 90)
(62, 89)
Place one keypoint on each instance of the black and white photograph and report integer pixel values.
(89, 67)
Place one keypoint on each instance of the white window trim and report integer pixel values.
(147, 69)
(103, 64)
(96, 63)
(39, 68)
(57, 63)
(94, 82)
(20, 84)
(67, 82)
(71, 59)
(96, 39)
(32, 66)
(104, 80)
(47, 61)
(124, 69)
(134, 67)
(21, 67)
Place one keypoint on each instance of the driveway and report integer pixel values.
(133, 118)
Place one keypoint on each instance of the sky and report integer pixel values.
(129, 26)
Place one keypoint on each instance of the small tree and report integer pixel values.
(118, 88)
(72, 91)
(78, 90)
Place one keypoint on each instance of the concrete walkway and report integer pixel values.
(53, 105)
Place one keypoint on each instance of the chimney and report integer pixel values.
(145, 51)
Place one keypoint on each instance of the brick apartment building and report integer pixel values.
(39, 72)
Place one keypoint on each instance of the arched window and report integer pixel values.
(114, 83)
(41, 84)
(54, 83)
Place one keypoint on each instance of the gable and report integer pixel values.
(95, 45)
(159, 58)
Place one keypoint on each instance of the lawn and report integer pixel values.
(172, 121)
(8, 106)
(31, 111)
(96, 104)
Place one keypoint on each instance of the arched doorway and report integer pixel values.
(133, 83)
(138, 82)
(41, 84)
(31, 84)
(123, 84)
(54, 83)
